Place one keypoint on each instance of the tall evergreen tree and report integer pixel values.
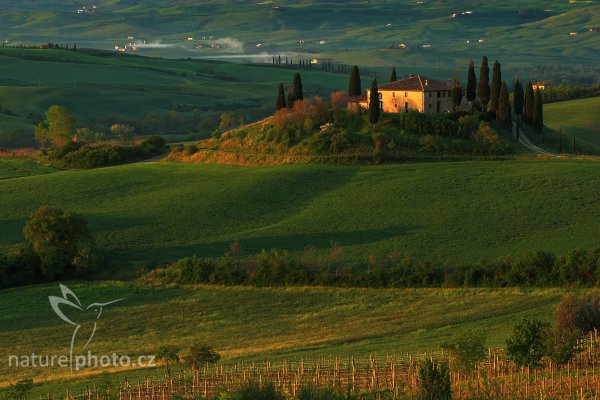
(528, 104)
(518, 100)
(496, 87)
(393, 77)
(280, 98)
(456, 94)
(471, 84)
(503, 115)
(354, 89)
(537, 120)
(483, 90)
(295, 92)
(374, 110)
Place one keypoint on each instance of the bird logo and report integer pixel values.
(71, 300)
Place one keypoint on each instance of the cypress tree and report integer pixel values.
(295, 92)
(354, 88)
(518, 104)
(374, 110)
(393, 77)
(496, 87)
(503, 114)
(528, 104)
(518, 99)
(471, 84)
(483, 90)
(538, 113)
(280, 98)
(573, 145)
(456, 94)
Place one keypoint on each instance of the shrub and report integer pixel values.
(200, 355)
(155, 141)
(434, 381)
(191, 150)
(20, 390)
(19, 265)
(581, 313)
(467, 350)
(561, 345)
(319, 393)
(254, 391)
(526, 345)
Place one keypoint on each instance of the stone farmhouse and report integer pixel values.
(416, 92)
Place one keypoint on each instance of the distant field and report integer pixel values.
(459, 212)
(252, 324)
(579, 118)
(520, 34)
(102, 90)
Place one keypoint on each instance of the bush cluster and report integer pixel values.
(276, 267)
(77, 155)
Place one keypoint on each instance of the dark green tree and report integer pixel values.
(528, 104)
(456, 94)
(393, 77)
(503, 115)
(526, 345)
(62, 241)
(200, 355)
(574, 145)
(280, 103)
(538, 113)
(354, 86)
(518, 102)
(295, 93)
(434, 381)
(374, 107)
(471, 85)
(466, 350)
(483, 90)
(496, 87)
(169, 355)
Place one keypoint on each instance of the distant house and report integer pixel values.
(416, 92)
(539, 85)
(572, 33)
(595, 29)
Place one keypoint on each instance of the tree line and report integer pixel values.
(276, 267)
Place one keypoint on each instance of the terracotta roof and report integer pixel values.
(416, 83)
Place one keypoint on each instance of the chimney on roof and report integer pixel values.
(426, 82)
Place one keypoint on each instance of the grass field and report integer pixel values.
(458, 212)
(250, 323)
(579, 118)
(14, 168)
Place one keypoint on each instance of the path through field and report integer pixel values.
(524, 140)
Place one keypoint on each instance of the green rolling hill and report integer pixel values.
(458, 212)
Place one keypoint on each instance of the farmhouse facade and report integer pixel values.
(416, 92)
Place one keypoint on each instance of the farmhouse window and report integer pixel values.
(439, 94)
